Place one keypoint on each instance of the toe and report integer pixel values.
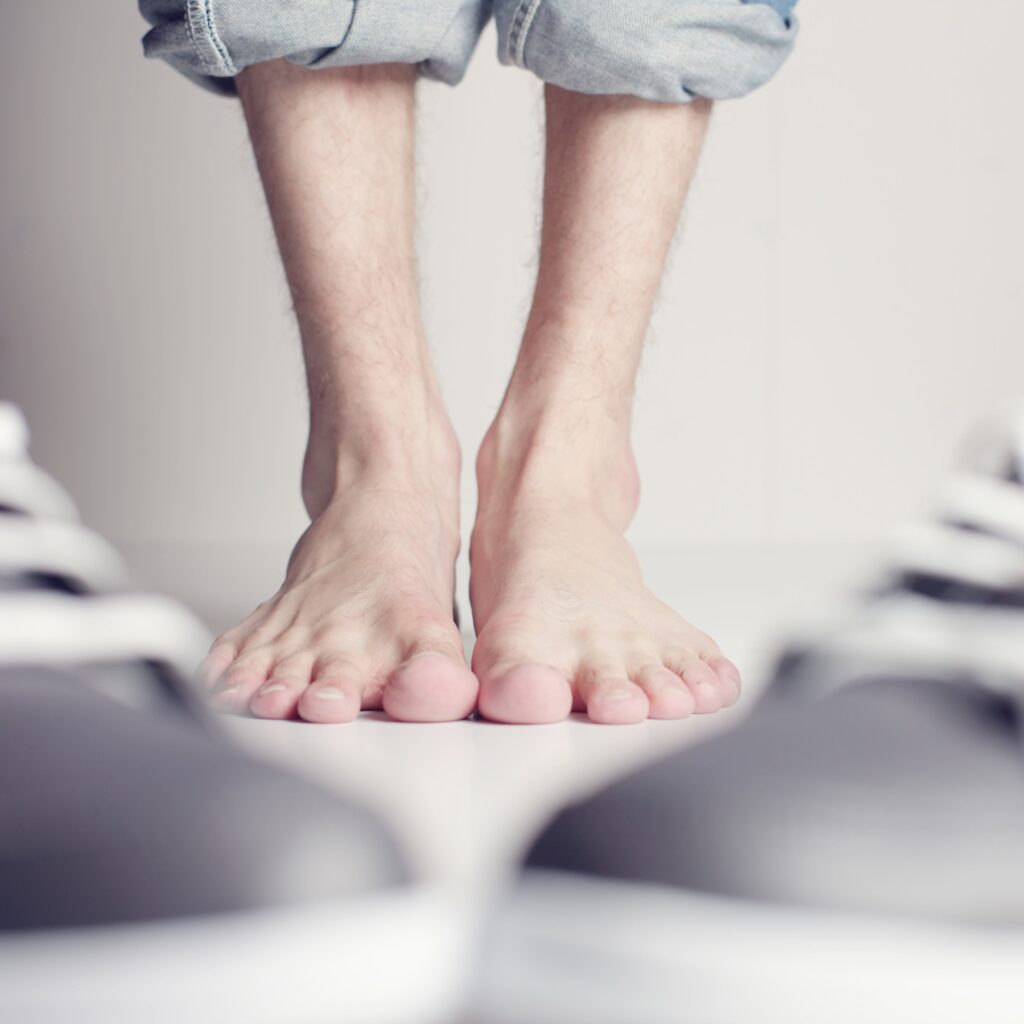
(279, 695)
(431, 687)
(612, 700)
(667, 694)
(703, 683)
(526, 695)
(243, 678)
(728, 676)
(216, 663)
(335, 695)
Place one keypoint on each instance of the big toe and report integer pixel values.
(430, 687)
(526, 695)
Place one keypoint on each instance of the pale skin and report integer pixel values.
(562, 616)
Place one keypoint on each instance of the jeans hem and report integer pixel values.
(522, 20)
(208, 45)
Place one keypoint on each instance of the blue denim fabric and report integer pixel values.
(784, 8)
(212, 40)
(669, 50)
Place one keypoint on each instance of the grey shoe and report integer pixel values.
(149, 871)
(853, 851)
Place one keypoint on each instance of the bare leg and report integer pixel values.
(562, 615)
(364, 616)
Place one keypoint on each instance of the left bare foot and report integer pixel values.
(563, 618)
(364, 616)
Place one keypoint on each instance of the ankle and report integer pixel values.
(419, 453)
(557, 462)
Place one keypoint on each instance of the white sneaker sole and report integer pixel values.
(397, 958)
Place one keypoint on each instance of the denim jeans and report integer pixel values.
(668, 50)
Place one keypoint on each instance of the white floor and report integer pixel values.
(466, 797)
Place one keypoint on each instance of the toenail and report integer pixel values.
(330, 693)
(224, 693)
(271, 688)
(619, 693)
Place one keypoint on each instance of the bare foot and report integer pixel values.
(563, 618)
(364, 616)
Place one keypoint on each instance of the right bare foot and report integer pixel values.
(564, 619)
(364, 616)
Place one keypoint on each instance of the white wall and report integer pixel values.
(845, 299)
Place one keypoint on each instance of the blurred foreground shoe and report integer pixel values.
(149, 871)
(24, 488)
(854, 851)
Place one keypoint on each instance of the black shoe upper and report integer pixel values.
(110, 815)
(883, 771)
